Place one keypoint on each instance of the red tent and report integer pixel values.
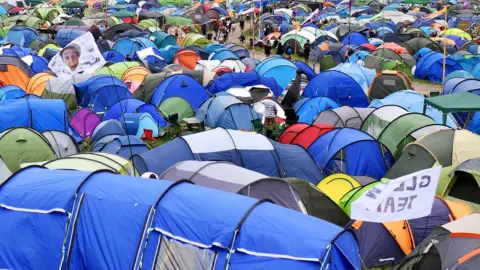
(303, 134)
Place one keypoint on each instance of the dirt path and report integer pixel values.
(423, 88)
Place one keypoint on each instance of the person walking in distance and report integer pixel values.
(270, 114)
(306, 50)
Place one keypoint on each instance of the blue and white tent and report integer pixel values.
(278, 68)
(248, 150)
(229, 80)
(124, 146)
(201, 228)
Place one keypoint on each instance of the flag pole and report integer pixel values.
(445, 45)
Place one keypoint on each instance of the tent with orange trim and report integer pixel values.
(13, 71)
(134, 76)
(387, 82)
(303, 134)
(394, 47)
(455, 245)
(36, 85)
(383, 244)
(186, 58)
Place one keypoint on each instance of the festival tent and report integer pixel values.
(11, 92)
(328, 55)
(84, 121)
(117, 69)
(337, 86)
(14, 71)
(145, 89)
(462, 74)
(308, 108)
(179, 94)
(227, 111)
(344, 116)
(113, 56)
(66, 35)
(109, 130)
(380, 118)
(383, 244)
(456, 32)
(163, 39)
(62, 143)
(382, 59)
(36, 84)
(132, 199)
(134, 76)
(119, 108)
(443, 212)
(24, 35)
(38, 114)
(445, 147)
(305, 69)
(457, 85)
(114, 30)
(363, 76)
(193, 39)
(450, 246)
(418, 43)
(303, 134)
(245, 79)
(124, 146)
(350, 151)
(100, 92)
(354, 38)
(462, 183)
(19, 145)
(405, 129)
(278, 68)
(129, 46)
(223, 54)
(388, 82)
(430, 67)
(248, 150)
(338, 184)
(186, 58)
(63, 88)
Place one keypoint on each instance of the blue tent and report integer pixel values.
(226, 111)
(458, 74)
(354, 57)
(106, 131)
(430, 67)
(229, 80)
(39, 64)
(163, 39)
(412, 102)
(11, 92)
(129, 46)
(168, 53)
(67, 35)
(458, 85)
(337, 86)
(210, 48)
(124, 146)
(113, 56)
(362, 75)
(308, 108)
(215, 228)
(278, 68)
(352, 152)
(354, 39)
(452, 83)
(306, 69)
(223, 54)
(152, 110)
(22, 36)
(128, 105)
(39, 114)
(182, 86)
(467, 64)
(100, 92)
(249, 150)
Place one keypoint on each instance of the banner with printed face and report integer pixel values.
(79, 56)
(404, 198)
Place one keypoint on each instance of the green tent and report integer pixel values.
(20, 145)
(401, 131)
(326, 62)
(73, 4)
(145, 90)
(380, 118)
(457, 102)
(463, 184)
(175, 2)
(117, 69)
(124, 14)
(351, 196)
(193, 39)
(385, 59)
(176, 105)
(47, 13)
(27, 20)
(90, 162)
(179, 21)
(148, 23)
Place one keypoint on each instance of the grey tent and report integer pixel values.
(295, 194)
(62, 88)
(344, 116)
(4, 171)
(63, 144)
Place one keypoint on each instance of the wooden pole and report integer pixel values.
(445, 46)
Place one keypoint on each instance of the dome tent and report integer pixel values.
(124, 146)
(62, 143)
(84, 121)
(379, 118)
(344, 116)
(308, 108)
(242, 148)
(133, 199)
(303, 134)
(339, 184)
(292, 193)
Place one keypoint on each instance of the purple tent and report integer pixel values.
(84, 121)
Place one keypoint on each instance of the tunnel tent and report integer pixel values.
(19, 145)
(344, 116)
(430, 67)
(377, 120)
(63, 88)
(195, 39)
(62, 143)
(163, 39)
(463, 74)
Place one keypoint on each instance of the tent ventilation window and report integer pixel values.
(175, 255)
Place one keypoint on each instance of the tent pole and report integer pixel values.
(445, 45)
(106, 14)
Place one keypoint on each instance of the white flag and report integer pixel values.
(79, 56)
(404, 198)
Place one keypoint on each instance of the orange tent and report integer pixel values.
(13, 75)
(186, 58)
(274, 35)
(36, 84)
(394, 47)
(134, 76)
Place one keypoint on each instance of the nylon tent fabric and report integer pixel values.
(8, 92)
(134, 76)
(129, 46)
(345, 151)
(354, 39)
(145, 89)
(337, 185)
(388, 82)
(84, 121)
(228, 112)
(193, 39)
(306, 69)
(14, 71)
(337, 86)
(363, 76)
(303, 134)
(16, 142)
(380, 118)
(117, 69)
(226, 81)
(113, 56)
(163, 39)
(145, 193)
(456, 32)
(462, 74)
(63, 88)
(176, 106)
(430, 67)
(36, 85)
(344, 116)
(186, 58)
(245, 149)
(62, 143)
(383, 59)
(118, 109)
(125, 147)
(462, 184)
(422, 42)
(107, 128)
(308, 108)
(280, 69)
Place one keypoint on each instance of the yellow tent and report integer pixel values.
(36, 84)
(456, 32)
(337, 185)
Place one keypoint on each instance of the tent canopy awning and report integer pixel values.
(457, 102)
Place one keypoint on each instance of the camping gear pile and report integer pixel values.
(167, 101)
